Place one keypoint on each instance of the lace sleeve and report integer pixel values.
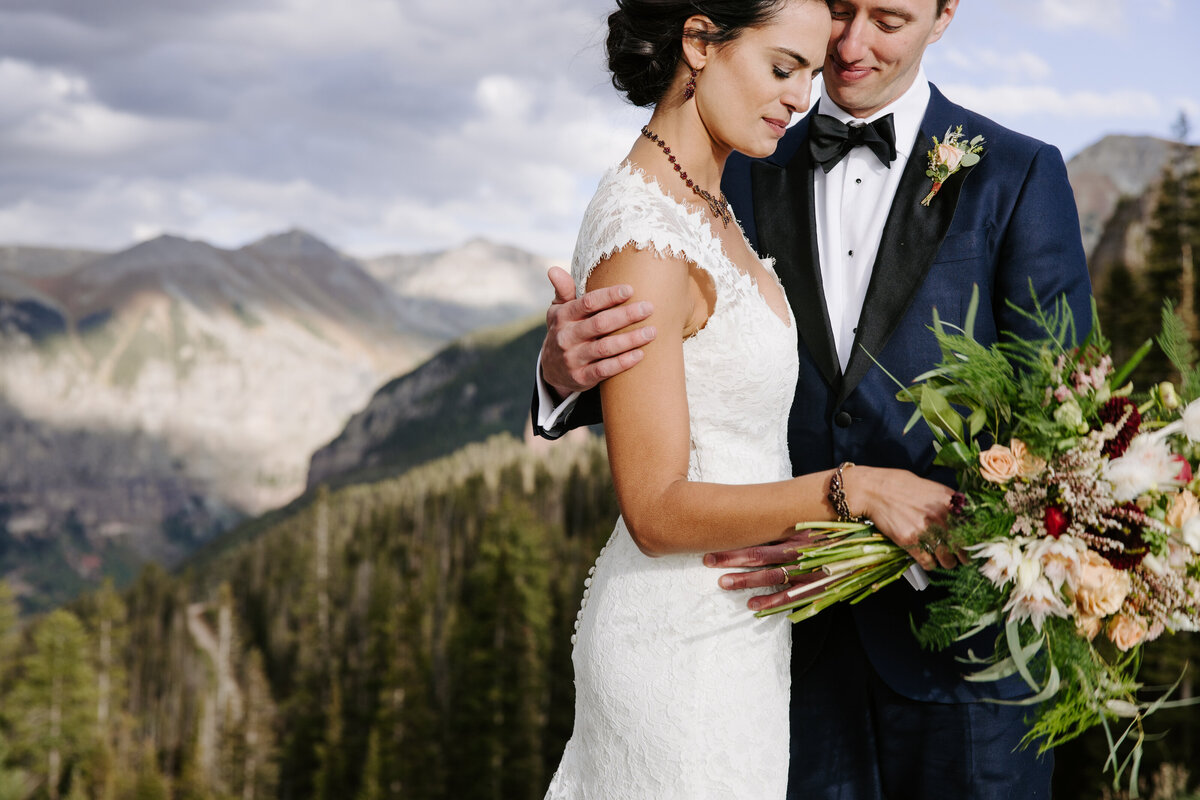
(628, 209)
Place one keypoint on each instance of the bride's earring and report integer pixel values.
(689, 90)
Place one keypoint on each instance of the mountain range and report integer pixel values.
(151, 397)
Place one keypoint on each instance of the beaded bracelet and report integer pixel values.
(837, 495)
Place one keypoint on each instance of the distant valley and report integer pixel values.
(150, 398)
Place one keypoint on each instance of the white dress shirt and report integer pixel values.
(852, 204)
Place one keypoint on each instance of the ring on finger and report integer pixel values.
(787, 577)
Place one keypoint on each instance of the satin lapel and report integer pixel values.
(911, 239)
(785, 215)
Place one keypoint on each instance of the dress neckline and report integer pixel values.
(696, 214)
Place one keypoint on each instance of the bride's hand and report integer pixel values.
(904, 507)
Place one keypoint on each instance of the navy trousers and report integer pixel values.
(853, 738)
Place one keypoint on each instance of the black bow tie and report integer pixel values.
(829, 139)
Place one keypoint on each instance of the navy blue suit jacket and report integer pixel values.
(998, 225)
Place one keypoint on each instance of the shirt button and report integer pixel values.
(842, 419)
(851, 252)
(858, 180)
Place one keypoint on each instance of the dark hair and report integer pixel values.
(645, 38)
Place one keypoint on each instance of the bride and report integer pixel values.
(679, 692)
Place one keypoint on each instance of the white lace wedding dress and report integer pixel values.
(680, 691)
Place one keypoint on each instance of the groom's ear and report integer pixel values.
(696, 48)
(943, 21)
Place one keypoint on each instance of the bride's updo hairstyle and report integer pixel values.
(645, 38)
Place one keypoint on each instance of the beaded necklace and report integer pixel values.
(719, 206)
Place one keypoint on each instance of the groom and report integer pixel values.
(864, 262)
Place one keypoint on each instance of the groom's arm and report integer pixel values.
(580, 350)
(1042, 245)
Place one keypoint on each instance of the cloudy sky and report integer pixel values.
(410, 125)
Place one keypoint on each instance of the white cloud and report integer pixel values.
(1024, 65)
(51, 112)
(1109, 16)
(1103, 15)
(1016, 100)
(503, 97)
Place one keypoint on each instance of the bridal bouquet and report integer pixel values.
(1078, 509)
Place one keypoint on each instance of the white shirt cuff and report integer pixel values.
(549, 415)
(916, 577)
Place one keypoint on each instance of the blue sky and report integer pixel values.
(412, 125)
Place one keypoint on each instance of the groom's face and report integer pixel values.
(875, 49)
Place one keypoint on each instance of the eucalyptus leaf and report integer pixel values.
(973, 306)
(955, 454)
(976, 422)
(939, 414)
(1021, 655)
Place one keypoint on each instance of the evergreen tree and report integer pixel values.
(10, 628)
(258, 774)
(331, 779)
(15, 783)
(53, 704)
(500, 649)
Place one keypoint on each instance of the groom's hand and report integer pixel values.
(582, 347)
(760, 556)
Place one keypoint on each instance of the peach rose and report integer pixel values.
(1126, 631)
(1099, 588)
(1184, 506)
(949, 155)
(1028, 465)
(1089, 626)
(998, 464)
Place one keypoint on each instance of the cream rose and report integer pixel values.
(1028, 465)
(1099, 588)
(949, 155)
(1126, 631)
(1089, 626)
(1184, 506)
(998, 464)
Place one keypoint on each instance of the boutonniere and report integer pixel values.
(949, 156)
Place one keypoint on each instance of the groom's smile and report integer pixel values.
(875, 49)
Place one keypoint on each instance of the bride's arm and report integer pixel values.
(647, 430)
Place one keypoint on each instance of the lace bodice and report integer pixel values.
(741, 367)
(681, 694)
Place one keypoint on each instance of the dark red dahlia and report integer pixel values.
(958, 504)
(1111, 413)
(1056, 521)
(1125, 532)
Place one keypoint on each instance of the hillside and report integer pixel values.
(477, 387)
(174, 387)
(337, 650)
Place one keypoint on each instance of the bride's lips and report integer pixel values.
(778, 126)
